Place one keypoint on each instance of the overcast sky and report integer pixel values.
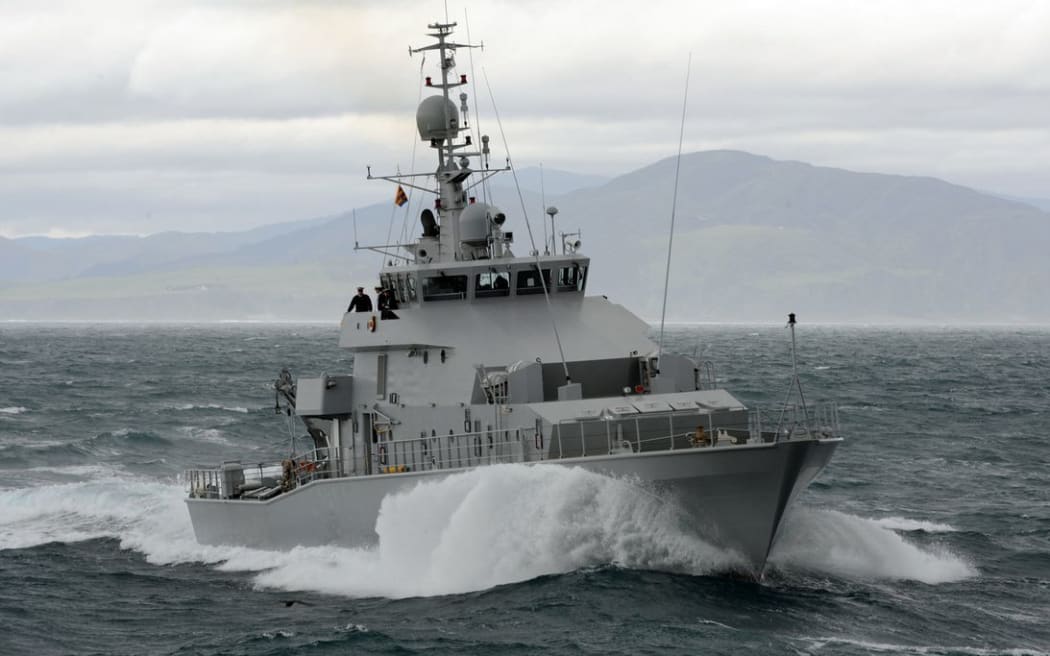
(151, 115)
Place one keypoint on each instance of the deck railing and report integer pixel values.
(604, 435)
(455, 451)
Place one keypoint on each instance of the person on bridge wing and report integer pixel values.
(386, 303)
(360, 302)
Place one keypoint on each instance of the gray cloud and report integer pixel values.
(145, 115)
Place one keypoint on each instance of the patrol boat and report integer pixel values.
(485, 357)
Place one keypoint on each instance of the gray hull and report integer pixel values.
(734, 496)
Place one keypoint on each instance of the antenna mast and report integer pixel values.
(543, 203)
(674, 204)
(796, 383)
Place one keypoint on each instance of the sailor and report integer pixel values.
(700, 437)
(386, 303)
(360, 302)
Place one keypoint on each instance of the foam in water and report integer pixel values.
(847, 546)
(905, 524)
(210, 406)
(503, 524)
(470, 531)
(13, 410)
(213, 435)
(817, 644)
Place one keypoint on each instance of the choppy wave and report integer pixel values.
(905, 524)
(210, 406)
(832, 644)
(213, 435)
(145, 515)
(119, 441)
(13, 410)
(503, 524)
(54, 452)
(847, 546)
(467, 532)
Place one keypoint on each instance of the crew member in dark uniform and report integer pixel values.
(386, 303)
(360, 302)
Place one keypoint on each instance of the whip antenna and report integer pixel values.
(674, 204)
(477, 115)
(543, 201)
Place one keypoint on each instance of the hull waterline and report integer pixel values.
(734, 497)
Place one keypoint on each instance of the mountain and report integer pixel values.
(755, 238)
(21, 264)
(1038, 203)
(119, 255)
(755, 235)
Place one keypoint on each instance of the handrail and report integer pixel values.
(638, 432)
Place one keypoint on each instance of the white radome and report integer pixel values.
(474, 222)
(431, 118)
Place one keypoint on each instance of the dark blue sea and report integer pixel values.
(928, 534)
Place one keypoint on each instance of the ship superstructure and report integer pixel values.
(484, 356)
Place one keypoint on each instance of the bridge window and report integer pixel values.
(572, 278)
(444, 288)
(490, 283)
(529, 281)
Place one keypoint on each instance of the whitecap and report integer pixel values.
(147, 516)
(456, 535)
(905, 524)
(355, 628)
(212, 435)
(442, 537)
(818, 644)
(84, 471)
(848, 546)
(13, 410)
(210, 406)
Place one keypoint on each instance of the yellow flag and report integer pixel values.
(400, 198)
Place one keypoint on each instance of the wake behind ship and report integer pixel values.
(476, 356)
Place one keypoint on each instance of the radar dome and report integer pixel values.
(474, 223)
(437, 118)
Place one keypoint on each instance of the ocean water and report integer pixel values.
(928, 534)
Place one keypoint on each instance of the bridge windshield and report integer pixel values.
(529, 281)
(444, 288)
(572, 278)
(492, 283)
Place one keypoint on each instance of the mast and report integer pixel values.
(451, 235)
(438, 120)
